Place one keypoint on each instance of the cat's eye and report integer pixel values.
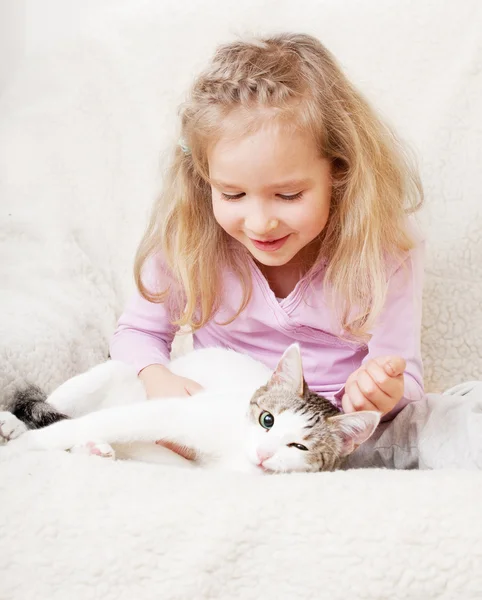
(299, 446)
(266, 420)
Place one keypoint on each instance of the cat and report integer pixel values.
(248, 418)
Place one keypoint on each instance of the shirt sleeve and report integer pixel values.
(144, 331)
(398, 328)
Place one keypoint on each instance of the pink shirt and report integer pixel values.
(268, 325)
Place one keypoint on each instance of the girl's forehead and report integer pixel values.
(240, 132)
(268, 156)
(243, 121)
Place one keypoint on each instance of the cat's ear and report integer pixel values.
(355, 428)
(289, 371)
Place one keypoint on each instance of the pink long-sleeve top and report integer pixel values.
(268, 326)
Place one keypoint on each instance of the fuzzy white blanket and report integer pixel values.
(83, 527)
(81, 126)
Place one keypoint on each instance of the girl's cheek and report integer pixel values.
(226, 216)
(218, 210)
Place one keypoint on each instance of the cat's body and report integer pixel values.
(248, 418)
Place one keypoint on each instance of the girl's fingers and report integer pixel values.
(378, 374)
(192, 387)
(377, 385)
(389, 385)
(393, 366)
(357, 398)
(346, 404)
(392, 386)
(370, 389)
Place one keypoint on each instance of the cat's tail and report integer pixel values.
(29, 406)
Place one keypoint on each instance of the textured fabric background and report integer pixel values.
(84, 528)
(84, 127)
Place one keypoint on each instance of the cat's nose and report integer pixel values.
(263, 455)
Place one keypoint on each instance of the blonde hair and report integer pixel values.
(375, 185)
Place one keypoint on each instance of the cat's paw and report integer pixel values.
(10, 427)
(94, 449)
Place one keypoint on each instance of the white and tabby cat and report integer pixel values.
(248, 418)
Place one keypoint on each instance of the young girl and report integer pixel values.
(283, 218)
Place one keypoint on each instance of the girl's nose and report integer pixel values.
(263, 454)
(260, 224)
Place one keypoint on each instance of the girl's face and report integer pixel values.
(270, 191)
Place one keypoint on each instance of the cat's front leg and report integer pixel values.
(178, 420)
(117, 424)
(62, 435)
(34, 441)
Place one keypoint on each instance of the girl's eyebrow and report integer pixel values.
(290, 183)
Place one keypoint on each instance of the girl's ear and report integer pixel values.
(355, 428)
(289, 371)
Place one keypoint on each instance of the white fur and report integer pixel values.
(10, 427)
(109, 406)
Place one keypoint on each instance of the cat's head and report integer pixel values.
(294, 429)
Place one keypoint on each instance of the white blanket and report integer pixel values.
(81, 127)
(83, 527)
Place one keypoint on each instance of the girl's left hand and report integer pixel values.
(376, 385)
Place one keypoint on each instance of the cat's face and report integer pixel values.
(293, 429)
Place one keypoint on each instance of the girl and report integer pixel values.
(283, 218)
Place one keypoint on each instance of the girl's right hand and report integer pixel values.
(160, 383)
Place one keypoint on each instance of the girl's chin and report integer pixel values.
(272, 259)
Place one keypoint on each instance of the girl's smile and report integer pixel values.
(270, 245)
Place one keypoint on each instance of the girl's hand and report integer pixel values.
(160, 382)
(376, 385)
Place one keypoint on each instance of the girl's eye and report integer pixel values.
(299, 446)
(232, 196)
(266, 420)
(286, 197)
(292, 197)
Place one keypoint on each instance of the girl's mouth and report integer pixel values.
(271, 245)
